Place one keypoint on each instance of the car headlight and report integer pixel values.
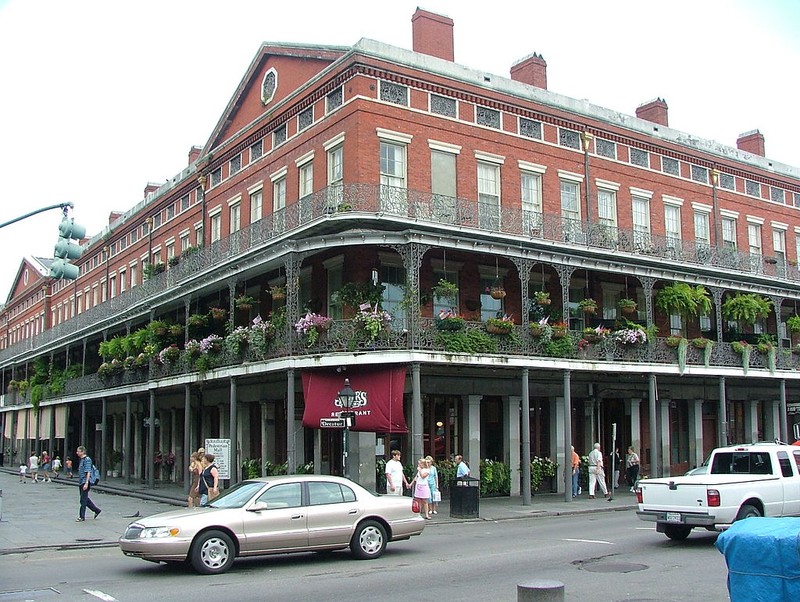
(153, 532)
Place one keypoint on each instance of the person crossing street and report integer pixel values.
(597, 473)
(85, 485)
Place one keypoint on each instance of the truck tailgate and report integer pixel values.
(667, 496)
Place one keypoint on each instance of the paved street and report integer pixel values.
(598, 553)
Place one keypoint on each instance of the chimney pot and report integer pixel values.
(751, 142)
(655, 111)
(432, 34)
(194, 154)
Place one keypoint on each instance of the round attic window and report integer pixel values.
(269, 85)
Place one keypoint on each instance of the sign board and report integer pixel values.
(331, 423)
(793, 408)
(796, 431)
(221, 448)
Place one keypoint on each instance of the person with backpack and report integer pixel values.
(87, 476)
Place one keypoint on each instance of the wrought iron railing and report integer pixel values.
(439, 211)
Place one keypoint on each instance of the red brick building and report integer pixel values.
(339, 176)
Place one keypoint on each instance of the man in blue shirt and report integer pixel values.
(84, 484)
(462, 470)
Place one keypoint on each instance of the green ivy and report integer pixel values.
(495, 478)
(472, 341)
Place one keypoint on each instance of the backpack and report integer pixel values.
(94, 475)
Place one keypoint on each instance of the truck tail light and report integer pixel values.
(639, 495)
(713, 497)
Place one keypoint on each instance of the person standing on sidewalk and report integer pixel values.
(631, 468)
(576, 472)
(84, 485)
(45, 466)
(596, 472)
(33, 465)
(462, 470)
(395, 477)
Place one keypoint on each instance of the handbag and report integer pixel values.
(437, 496)
(415, 506)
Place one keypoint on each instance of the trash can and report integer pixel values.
(465, 497)
(762, 558)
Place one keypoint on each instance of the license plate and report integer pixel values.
(674, 517)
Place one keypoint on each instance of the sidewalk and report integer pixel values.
(42, 515)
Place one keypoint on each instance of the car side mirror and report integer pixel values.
(257, 507)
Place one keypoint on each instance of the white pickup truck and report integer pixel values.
(762, 479)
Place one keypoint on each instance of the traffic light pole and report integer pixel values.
(62, 206)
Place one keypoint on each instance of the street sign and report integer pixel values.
(331, 423)
(221, 448)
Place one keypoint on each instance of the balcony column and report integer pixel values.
(526, 438)
(235, 465)
(666, 462)
(291, 459)
(126, 441)
(83, 360)
(103, 437)
(149, 467)
(586, 140)
(777, 302)
(647, 288)
(751, 421)
(417, 426)
(565, 276)
(635, 413)
(137, 418)
(784, 421)
(566, 442)
(472, 436)
(716, 295)
(188, 448)
(651, 403)
(292, 266)
(524, 267)
(590, 430)
(187, 305)
(723, 414)
(175, 446)
(412, 254)
(696, 432)
(262, 406)
(772, 420)
(512, 447)
(83, 423)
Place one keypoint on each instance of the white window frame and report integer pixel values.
(531, 195)
(256, 195)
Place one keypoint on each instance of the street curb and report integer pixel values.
(60, 546)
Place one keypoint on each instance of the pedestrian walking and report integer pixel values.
(33, 466)
(597, 474)
(422, 491)
(46, 466)
(85, 485)
(576, 472)
(195, 468)
(433, 484)
(56, 466)
(209, 480)
(68, 467)
(395, 477)
(23, 468)
(631, 468)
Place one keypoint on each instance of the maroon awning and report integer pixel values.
(379, 398)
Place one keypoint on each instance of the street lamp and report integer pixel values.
(345, 400)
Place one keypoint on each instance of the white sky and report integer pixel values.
(98, 98)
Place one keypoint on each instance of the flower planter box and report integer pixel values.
(559, 332)
(492, 329)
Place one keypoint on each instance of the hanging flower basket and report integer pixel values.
(497, 292)
(588, 306)
(700, 342)
(449, 321)
(559, 331)
(278, 293)
(627, 306)
(501, 326)
(541, 298)
(674, 342)
(217, 313)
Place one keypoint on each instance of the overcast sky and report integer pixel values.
(99, 98)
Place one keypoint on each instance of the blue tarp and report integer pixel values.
(763, 558)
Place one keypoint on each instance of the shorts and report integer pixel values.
(46, 468)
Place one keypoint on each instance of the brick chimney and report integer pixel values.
(751, 142)
(432, 34)
(194, 154)
(531, 70)
(114, 216)
(151, 187)
(655, 111)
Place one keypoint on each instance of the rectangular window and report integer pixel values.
(216, 227)
(754, 239)
(306, 174)
(729, 233)
(279, 135)
(752, 188)
(701, 228)
(569, 138)
(641, 221)
(278, 195)
(487, 117)
(255, 205)
(607, 207)
(530, 128)
(122, 281)
(639, 157)
(256, 150)
(157, 220)
(305, 119)
(199, 238)
(777, 195)
(134, 275)
(184, 202)
(531, 203)
(727, 181)
(393, 178)
(236, 217)
(112, 287)
(216, 176)
(605, 148)
(443, 105)
(672, 225)
(394, 93)
(185, 242)
(779, 246)
(335, 178)
(488, 195)
(699, 174)
(236, 164)
(571, 211)
(670, 166)
(334, 100)
(443, 186)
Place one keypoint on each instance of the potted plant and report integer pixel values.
(588, 306)
(627, 306)
(448, 320)
(445, 291)
(630, 336)
(746, 307)
(311, 326)
(701, 342)
(685, 300)
(793, 324)
(372, 320)
(541, 329)
(176, 330)
(278, 293)
(218, 313)
(674, 341)
(197, 321)
(169, 355)
(174, 260)
(244, 302)
(541, 297)
(559, 330)
(497, 290)
(501, 325)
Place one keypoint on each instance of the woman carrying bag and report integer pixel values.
(209, 480)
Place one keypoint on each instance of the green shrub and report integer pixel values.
(468, 341)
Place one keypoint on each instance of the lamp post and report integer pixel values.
(345, 400)
(586, 139)
(714, 184)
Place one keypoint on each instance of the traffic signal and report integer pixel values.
(65, 250)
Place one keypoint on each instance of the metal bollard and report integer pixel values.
(540, 590)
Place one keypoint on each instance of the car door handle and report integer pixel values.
(296, 516)
(353, 511)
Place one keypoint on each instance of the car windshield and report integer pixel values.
(237, 496)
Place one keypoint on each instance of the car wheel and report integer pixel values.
(677, 532)
(747, 511)
(369, 540)
(212, 553)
